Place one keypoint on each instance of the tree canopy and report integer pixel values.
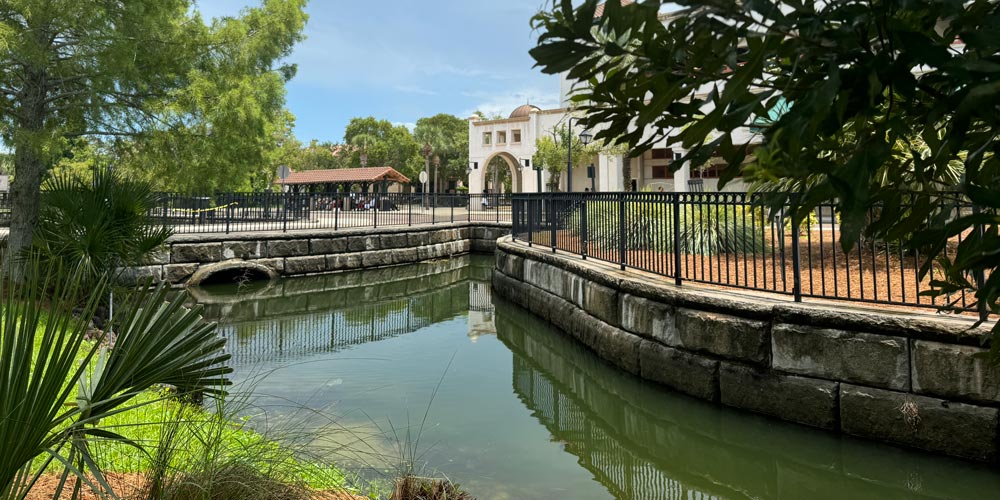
(171, 94)
(448, 136)
(386, 145)
(551, 154)
(855, 80)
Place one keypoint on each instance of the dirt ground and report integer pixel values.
(869, 273)
(129, 486)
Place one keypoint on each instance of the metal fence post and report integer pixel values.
(979, 275)
(796, 256)
(583, 227)
(284, 215)
(229, 215)
(677, 238)
(409, 213)
(375, 207)
(621, 230)
(552, 221)
(531, 218)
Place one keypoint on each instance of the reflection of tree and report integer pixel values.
(641, 442)
(326, 313)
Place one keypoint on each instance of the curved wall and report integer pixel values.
(299, 253)
(908, 379)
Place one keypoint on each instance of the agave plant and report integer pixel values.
(96, 228)
(56, 385)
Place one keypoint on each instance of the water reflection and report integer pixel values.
(523, 411)
(643, 442)
(296, 318)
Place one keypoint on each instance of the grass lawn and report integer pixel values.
(200, 448)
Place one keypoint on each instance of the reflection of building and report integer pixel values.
(480, 310)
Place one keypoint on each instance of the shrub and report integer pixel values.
(705, 229)
(60, 387)
(95, 228)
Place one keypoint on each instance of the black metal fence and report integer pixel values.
(244, 212)
(731, 240)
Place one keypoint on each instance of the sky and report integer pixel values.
(401, 60)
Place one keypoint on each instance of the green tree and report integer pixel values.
(197, 99)
(321, 156)
(551, 154)
(386, 145)
(448, 136)
(854, 79)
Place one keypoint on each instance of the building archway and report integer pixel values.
(516, 185)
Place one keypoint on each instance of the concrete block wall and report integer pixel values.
(189, 257)
(909, 379)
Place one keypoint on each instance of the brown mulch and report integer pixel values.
(869, 274)
(131, 486)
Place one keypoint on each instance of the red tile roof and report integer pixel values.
(600, 8)
(343, 175)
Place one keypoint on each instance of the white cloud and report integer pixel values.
(500, 102)
(412, 89)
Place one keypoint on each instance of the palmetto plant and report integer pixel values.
(96, 228)
(56, 386)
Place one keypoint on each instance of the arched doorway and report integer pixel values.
(489, 179)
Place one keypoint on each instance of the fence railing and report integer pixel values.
(731, 240)
(247, 212)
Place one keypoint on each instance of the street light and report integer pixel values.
(585, 138)
(427, 166)
(437, 164)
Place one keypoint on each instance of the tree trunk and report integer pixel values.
(29, 165)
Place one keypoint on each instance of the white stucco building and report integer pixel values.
(513, 140)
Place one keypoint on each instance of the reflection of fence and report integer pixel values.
(301, 330)
(730, 239)
(232, 212)
(625, 475)
(276, 339)
(480, 296)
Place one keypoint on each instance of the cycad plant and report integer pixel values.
(57, 385)
(95, 228)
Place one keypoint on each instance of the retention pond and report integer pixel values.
(348, 365)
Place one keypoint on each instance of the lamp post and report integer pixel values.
(585, 138)
(427, 166)
(437, 165)
(569, 156)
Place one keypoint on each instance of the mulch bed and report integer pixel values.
(130, 486)
(869, 274)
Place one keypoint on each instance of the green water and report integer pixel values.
(345, 365)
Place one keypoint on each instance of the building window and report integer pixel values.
(487, 138)
(662, 154)
(708, 172)
(501, 137)
(662, 172)
(515, 137)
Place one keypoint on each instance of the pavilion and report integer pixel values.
(331, 181)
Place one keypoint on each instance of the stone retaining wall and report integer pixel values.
(910, 379)
(189, 258)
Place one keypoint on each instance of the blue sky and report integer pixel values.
(401, 60)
